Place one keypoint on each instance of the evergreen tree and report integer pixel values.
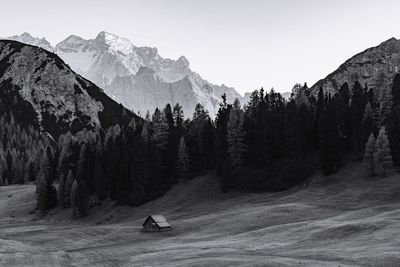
(74, 198)
(68, 189)
(42, 193)
(393, 121)
(382, 153)
(61, 190)
(160, 128)
(386, 104)
(357, 108)
(147, 129)
(368, 124)
(82, 167)
(330, 152)
(344, 91)
(221, 144)
(200, 140)
(178, 117)
(235, 137)
(182, 164)
(51, 192)
(369, 154)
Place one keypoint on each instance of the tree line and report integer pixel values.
(268, 144)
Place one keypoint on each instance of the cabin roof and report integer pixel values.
(160, 220)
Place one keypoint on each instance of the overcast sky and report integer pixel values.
(241, 43)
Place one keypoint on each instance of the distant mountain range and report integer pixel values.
(141, 80)
(137, 77)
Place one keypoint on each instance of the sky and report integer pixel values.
(247, 44)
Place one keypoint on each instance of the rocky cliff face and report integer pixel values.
(61, 99)
(374, 67)
(114, 63)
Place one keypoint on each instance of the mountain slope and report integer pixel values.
(60, 99)
(113, 63)
(375, 67)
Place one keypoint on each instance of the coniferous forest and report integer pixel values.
(267, 144)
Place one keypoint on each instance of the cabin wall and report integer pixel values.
(151, 226)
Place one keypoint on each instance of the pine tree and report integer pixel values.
(221, 144)
(357, 108)
(368, 124)
(235, 137)
(369, 154)
(42, 193)
(393, 121)
(386, 104)
(161, 130)
(382, 154)
(182, 164)
(51, 191)
(147, 131)
(82, 168)
(68, 188)
(330, 152)
(61, 190)
(200, 140)
(74, 198)
(178, 117)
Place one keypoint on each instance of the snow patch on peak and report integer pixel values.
(114, 43)
(73, 39)
(29, 39)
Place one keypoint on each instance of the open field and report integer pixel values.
(346, 219)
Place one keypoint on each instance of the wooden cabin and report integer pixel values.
(156, 223)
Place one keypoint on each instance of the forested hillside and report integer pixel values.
(269, 144)
(81, 147)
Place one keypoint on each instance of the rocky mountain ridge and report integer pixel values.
(60, 99)
(118, 66)
(374, 67)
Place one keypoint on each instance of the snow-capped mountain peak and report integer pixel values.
(113, 63)
(114, 43)
(29, 39)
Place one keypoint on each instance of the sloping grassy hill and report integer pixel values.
(347, 219)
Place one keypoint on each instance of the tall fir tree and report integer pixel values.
(182, 164)
(68, 188)
(42, 193)
(369, 154)
(74, 198)
(393, 121)
(382, 153)
(61, 190)
(330, 152)
(235, 135)
(161, 129)
(221, 144)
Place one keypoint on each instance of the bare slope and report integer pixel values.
(345, 219)
(375, 67)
